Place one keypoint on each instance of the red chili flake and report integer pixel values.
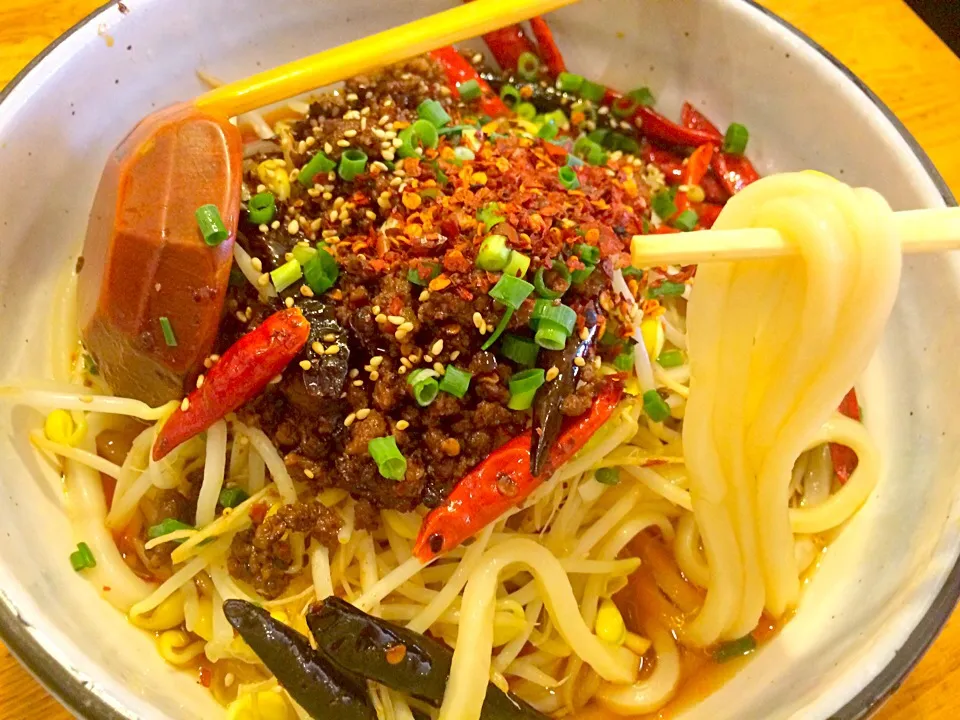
(206, 676)
(258, 512)
(107, 588)
(454, 261)
(396, 653)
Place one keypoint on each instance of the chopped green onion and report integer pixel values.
(735, 648)
(624, 107)
(520, 350)
(632, 272)
(168, 337)
(623, 143)
(548, 130)
(545, 291)
(528, 66)
(655, 407)
(624, 361)
(590, 151)
(518, 265)
(426, 133)
(166, 527)
(286, 275)
(670, 358)
(390, 461)
(559, 119)
(735, 139)
(433, 112)
(544, 310)
(469, 90)
(321, 271)
(597, 156)
(262, 208)
(494, 253)
(643, 95)
(686, 221)
(523, 387)
(463, 153)
(353, 162)
(318, 164)
(490, 215)
(82, 558)
(425, 386)
(551, 336)
(667, 289)
(607, 476)
(510, 95)
(232, 496)
(526, 110)
(455, 381)
(407, 147)
(588, 253)
(600, 136)
(90, 365)
(578, 277)
(413, 274)
(302, 253)
(501, 326)
(594, 92)
(568, 177)
(663, 205)
(511, 291)
(211, 225)
(569, 82)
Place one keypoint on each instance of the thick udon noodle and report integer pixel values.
(773, 346)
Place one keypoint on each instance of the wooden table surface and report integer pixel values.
(882, 41)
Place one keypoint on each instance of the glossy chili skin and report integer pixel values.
(504, 479)
(734, 171)
(459, 71)
(407, 661)
(845, 459)
(242, 372)
(547, 47)
(317, 686)
(547, 417)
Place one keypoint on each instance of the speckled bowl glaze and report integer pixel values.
(886, 585)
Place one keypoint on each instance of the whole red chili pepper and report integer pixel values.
(668, 161)
(242, 372)
(504, 479)
(708, 213)
(698, 164)
(844, 458)
(507, 45)
(656, 126)
(549, 52)
(459, 71)
(734, 171)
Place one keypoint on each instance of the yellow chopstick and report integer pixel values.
(360, 56)
(934, 230)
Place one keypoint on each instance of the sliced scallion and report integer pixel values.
(490, 215)
(303, 253)
(578, 277)
(655, 406)
(548, 130)
(425, 386)
(670, 359)
(232, 496)
(563, 315)
(526, 110)
(569, 82)
(735, 139)
(168, 336)
(501, 326)
(321, 271)
(469, 90)
(607, 476)
(528, 66)
(262, 208)
(523, 386)
(318, 164)
(510, 95)
(517, 265)
(551, 336)
(82, 558)
(390, 461)
(494, 253)
(455, 381)
(667, 289)
(353, 162)
(211, 225)
(286, 275)
(735, 648)
(511, 291)
(545, 291)
(568, 177)
(624, 361)
(663, 205)
(643, 95)
(686, 221)
(588, 253)
(520, 350)
(433, 112)
(165, 527)
(624, 107)
(594, 92)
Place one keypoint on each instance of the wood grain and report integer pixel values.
(882, 41)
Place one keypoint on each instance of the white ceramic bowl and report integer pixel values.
(885, 587)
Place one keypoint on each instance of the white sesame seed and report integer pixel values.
(199, 381)
(185, 405)
(552, 373)
(406, 327)
(428, 358)
(584, 333)
(374, 375)
(424, 296)
(276, 379)
(343, 143)
(350, 133)
(396, 319)
(389, 155)
(263, 227)
(311, 141)
(477, 319)
(439, 368)
(375, 309)
(352, 97)
(263, 280)
(327, 196)
(362, 414)
(329, 338)
(579, 362)
(327, 147)
(376, 360)
(306, 291)
(354, 372)
(275, 224)
(305, 364)
(257, 264)
(402, 425)
(371, 215)
(401, 370)
(309, 473)
(405, 362)
(381, 318)
(455, 354)
(288, 302)
(333, 215)
(400, 334)
(332, 350)
(317, 348)
(437, 347)
(358, 383)
(348, 421)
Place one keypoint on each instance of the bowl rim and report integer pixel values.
(85, 701)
